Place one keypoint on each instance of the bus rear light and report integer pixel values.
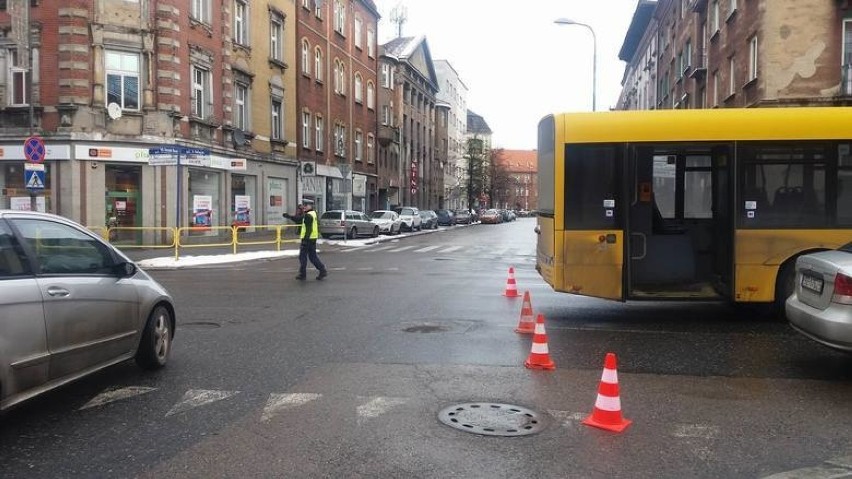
(842, 289)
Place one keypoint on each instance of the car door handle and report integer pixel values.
(57, 291)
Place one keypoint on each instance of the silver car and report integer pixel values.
(70, 305)
(349, 224)
(410, 217)
(387, 221)
(821, 307)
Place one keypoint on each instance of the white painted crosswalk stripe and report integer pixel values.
(451, 249)
(383, 248)
(427, 249)
(107, 397)
(376, 406)
(281, 402)
(199, 397)
(404, 248)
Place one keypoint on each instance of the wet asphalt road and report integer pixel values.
(271, 377)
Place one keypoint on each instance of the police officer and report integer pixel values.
(308, 233)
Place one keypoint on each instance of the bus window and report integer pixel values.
(698, 187)
(844, 185)
(592, 179)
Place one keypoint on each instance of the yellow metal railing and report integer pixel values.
(162, 237)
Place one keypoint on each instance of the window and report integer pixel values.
(844, 184)
(752, 59)
(358, 32)
(359, 96)
(306, 4)
(242, 101)
(336, 76)
(591, 185)
(386, 115)
(320, 131)
(687, 55)
(318, 9)
(371, 43)
(339, 17)
(202, 98)
(13, 261)
(339, 140)
(785, 185)
(318, 69)
(371, 95)
(63, 250)
(359, 138)
(717, 82)
(698, 187)
(386, 83)
(306, 58)
(306, 129)
(733, 7)
(276, 38)
(732, 84)
(241, 18)
(122, 79)
(18, 81)
(201, 10)
(277, 125)
(714, 17)
(371, 152)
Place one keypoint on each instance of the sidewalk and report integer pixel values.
(164, 258)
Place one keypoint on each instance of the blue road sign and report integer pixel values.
(34, 180)
(34, 149)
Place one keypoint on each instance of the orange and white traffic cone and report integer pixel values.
(526, 325)
(539, 357)
(607, 412)
(511, 286)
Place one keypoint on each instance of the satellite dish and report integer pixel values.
(239, 138)
(114, 111)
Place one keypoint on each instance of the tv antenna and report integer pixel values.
(399, 15)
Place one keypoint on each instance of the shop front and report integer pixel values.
(123, 201)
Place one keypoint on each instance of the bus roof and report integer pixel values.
(721, 124)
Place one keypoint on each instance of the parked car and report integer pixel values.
(429, 219)
(410, 217)
(491, 217)
(71, 305)
(821, 306)
(463, 217)
(446, 218)
(387, 221)
(350, 223)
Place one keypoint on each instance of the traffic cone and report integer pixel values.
(511, 286)
(527, 323)
(539, 357)
(607, 412)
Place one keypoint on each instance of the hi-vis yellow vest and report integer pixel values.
(314, 228)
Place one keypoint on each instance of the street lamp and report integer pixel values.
(568, 21)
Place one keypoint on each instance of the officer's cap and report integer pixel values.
(307, 202)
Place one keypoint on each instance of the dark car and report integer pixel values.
(430, 219)
(446, 218)
(463, 217)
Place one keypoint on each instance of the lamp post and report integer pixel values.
(568, 21)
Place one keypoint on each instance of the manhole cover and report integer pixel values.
(425, 328)
(492, 419)
(200, 325)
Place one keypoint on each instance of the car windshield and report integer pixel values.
(405, 211)
(847, 248)
(381, 215)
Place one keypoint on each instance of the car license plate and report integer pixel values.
(812, 283)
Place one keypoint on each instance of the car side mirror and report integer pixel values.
(125, 269)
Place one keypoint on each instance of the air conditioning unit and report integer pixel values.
(308, 168)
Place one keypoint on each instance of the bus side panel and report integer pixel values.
(594, 263)
(548, 262)
(759, 254)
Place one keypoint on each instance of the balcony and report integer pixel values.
(387, 134)
(699, 70)
(697, 5)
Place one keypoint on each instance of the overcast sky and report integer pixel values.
(517, 64)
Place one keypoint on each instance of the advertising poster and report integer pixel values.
(202, 211)
(22, 203)
(276, 191)
(242, 210)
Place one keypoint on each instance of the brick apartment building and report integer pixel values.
(519, 185)
(337, 102)
(111, 80)
(737, 53)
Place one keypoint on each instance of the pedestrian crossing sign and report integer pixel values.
(34, 180)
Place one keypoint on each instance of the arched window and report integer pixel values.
(359, 96)
(306, 58)
(318, 69)
(371, 96)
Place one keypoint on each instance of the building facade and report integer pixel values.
(407, 97)
(520, 190)
(337, 103)
(738, 53)
(453, 93)
(111, 82)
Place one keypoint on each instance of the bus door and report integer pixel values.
(594, 211)
(679, 222)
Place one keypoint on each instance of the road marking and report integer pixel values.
(697, 431)
(818, 472)
(400, 249)
(280, 402)
(393, 269)
(451, 249)
(383, 248)
(199, 397)
(377, 406)
(567, 418)
(109, 396)
(427, 249)
(370, 268)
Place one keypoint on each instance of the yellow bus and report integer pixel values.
(691, 204)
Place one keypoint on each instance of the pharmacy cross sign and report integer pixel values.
(34, 149)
